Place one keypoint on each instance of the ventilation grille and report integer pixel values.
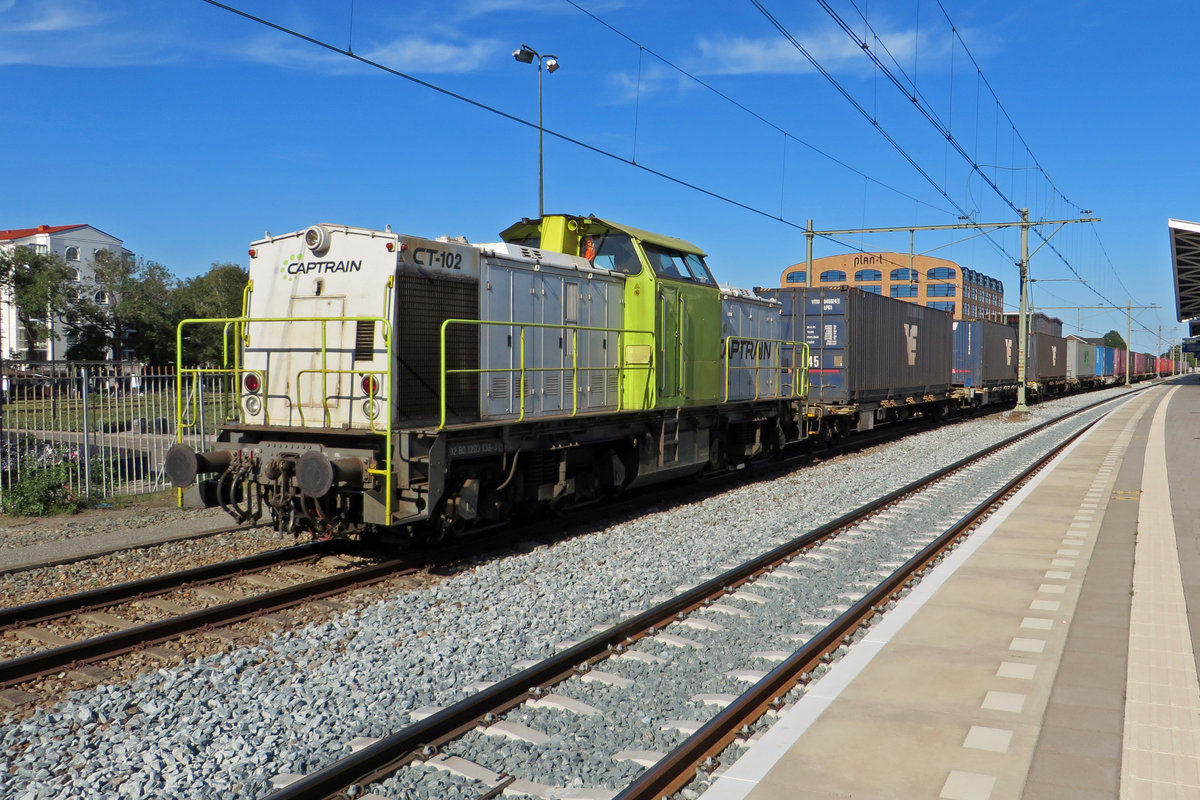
(423, 304)
(364, 341)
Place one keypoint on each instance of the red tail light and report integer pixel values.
(370, 385)
(252, 383)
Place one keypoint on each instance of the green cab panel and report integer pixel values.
(672, 344)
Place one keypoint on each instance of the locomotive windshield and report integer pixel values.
(615, 251)
(678, 265)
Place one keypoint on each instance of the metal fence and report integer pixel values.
(109, 425)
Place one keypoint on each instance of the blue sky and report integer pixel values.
(188, 131)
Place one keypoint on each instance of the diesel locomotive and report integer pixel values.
(394, 383)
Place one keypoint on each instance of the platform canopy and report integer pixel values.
(1185, 255)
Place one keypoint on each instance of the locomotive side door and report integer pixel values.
(670, 342)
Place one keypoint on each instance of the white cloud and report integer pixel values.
(51, 16)
(405, 54)
(655, 79)
(412, 54)
(741, 55)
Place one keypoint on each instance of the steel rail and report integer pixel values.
(676, 769)
(422, 738)
(55, 607)
(35, 665)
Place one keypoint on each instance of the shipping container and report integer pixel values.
(1046, 360)
(1120, 362)
(985, 354)
(866, 348)
(1106, 361)
(1081, 359)
(1038, 323)
(752, 352)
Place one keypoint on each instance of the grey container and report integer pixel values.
(1081, 359)
(985, 354)
(1046, 360)
(751, 351)
(866, 348)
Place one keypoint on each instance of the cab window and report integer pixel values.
(615, 251)
(677, 265)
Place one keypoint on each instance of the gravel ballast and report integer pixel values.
(225, 725)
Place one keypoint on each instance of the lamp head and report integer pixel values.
(551, 63)
(525, 54)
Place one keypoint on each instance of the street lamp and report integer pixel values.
(526, 55)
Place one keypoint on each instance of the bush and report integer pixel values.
(42, 491)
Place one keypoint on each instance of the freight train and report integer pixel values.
(393, 384)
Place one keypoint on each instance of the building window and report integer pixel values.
(872, 288)
(943, 306)
(942, 273)
(72, 253)
(796, 277)
(868, 275)
(904, 291)
(905, 274)
(939, 290)
(40, 249)
(833, 276)
(102, 298)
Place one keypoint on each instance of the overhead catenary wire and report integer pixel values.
(742, 106)
(921, 104)
(780, 217)
(498, 112)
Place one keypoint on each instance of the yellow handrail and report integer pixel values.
(237, 371)
(776, 365)
(523, 370)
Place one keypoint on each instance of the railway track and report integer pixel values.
(675, 623)
(131, 635)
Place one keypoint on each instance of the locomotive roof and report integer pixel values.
(528, 226)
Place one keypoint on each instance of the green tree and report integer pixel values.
(1114, 339)
(217, 294)
(43, 289)
(135, 314)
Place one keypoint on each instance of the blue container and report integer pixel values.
(985, 354)
(1105, 361)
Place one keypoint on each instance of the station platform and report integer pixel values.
(1050, 656)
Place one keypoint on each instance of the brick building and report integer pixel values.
(933, 282)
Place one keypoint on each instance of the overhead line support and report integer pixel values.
(1023, 265)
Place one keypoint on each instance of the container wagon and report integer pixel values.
(1046, 364)
(872, 359)
(985, 361)
(1084, 362)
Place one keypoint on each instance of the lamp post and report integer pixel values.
(526, 55)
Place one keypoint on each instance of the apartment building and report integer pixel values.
(924, 280)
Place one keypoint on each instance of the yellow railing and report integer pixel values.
(232, 365)
(522, 370)
(775, 363)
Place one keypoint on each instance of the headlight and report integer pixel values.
(372, 408)
(316, 239)
(253, 404)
